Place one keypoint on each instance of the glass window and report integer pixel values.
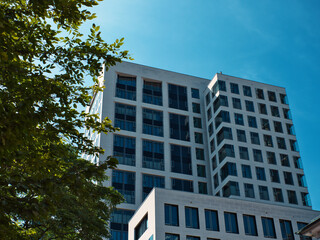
(192, 238)
(210, 129)
(209, 114)
(283, 98)
(244, 153)
(271, 156)
(267, 140)
(234, 88)
(284, 158)
(202, 186)
(149, 182)
(220, 101)
(288, 178)
(306, 199)
(182, 185)
(292, 197)
(201, 170)
(246, 171)
(223, 116)
(231, 188)
(124, 149)
(152, 92)
(226, 150)
(272, 96)
(119, 224)
(178, 97)
(224, 133)
(287, 114)
(212, 145)
(141, 227)
(216, 180)
(249, 106)
(265, 124)
(199, 153)
(274, 176)
(294, 145)
(300, 226)
(228, 169)
(198, 138)
(126, 87)
(247, 91)
(263, 193)
(248, 190)
(252, 122)
(219, 86)
(254, 138)
(257, 155)
(153, 155)
(231, 222)
(259, 93)
(195, 93)
(197, 122)
(261, 175)
(275, 111)
(250, 227)
(301, 180)
(277, 194)
(241, 135)
(236, 103)
(181, 159)
(286, 230)
(179, 127)
(124, 182)
(208, 99)
(125, 117)
(278, 126)
(238, 119)
(281, 143)
(297, 162)
(170, 236)
(212, 222)
(268, 227)
(290, 129)
(152, 122)
(214, 162)
(196, 107)
(262, 108)
(171, 215)
(192, 217)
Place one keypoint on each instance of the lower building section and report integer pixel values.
(175, 215)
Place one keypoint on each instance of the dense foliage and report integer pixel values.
(46, 190)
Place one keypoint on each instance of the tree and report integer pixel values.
(47, 191)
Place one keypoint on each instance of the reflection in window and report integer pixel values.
(268, 227)
(153, 155)
(126, 87)
(182, 185)
(149, 182)
(125, 117)
(231, 222)
(181, 159)
(152, 122)
(171, 215)
(178, 97)
(192, 218)
(124, 149)
(286, 229)
(152, 92)
(179, 127)
(250, 227)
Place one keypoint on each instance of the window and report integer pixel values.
(124, 182)
(305, 199)
(283, 98)
(262, 108)
(275, 111)
(236, 103)
(125, 117)
(290, 129)
(286, 230)
(209, 114)
(272, 96)
(124, 149)
(229, 169)
(198, 138)
(181, 159)
(252, 122)
(223, 116)
(300, 226)
(170, 236)
(224, 133)
(292, 197)
(171, 215)
(231, 222)
(246, 171)
(238, 119)
(195, 93)
(268, 227)
(210, 129)
(263, 193)
(271, 156)
(201, 170)
(277, 194)
(149, 182)
(265, 124)
(234, 88)
(278, 126)
(202, 186)
(301, 180)
(247, 91)
(231, 188)
(119, 224)
(152, 92)
(153, 155)
(248, 190)
(227, 150)
(141, 227)
(281, 143)
(241, 135)
(182, 185)
(199, 153)
(212, 146)
(197, 122)
(192, 217)
(243, 152)
(249, 106)
(216, 180)
(274, 176)
(259, 93)
(261, 175)
(220, 101)
(288, 178)
(212, 222)
(297, 162)
(267, 140)
(178, 97)
(294, 145)
(214, 162)
(257, 155)
(192, 238)
(126, 87)
(208, 99)
(152, 122)
(196, 107)
(284, 158)
(179, 127)
(287, 114)
(250, 227)
(254, 138)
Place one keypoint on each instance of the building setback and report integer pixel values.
(226, 138)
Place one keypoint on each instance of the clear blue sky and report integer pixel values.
(275, 42)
